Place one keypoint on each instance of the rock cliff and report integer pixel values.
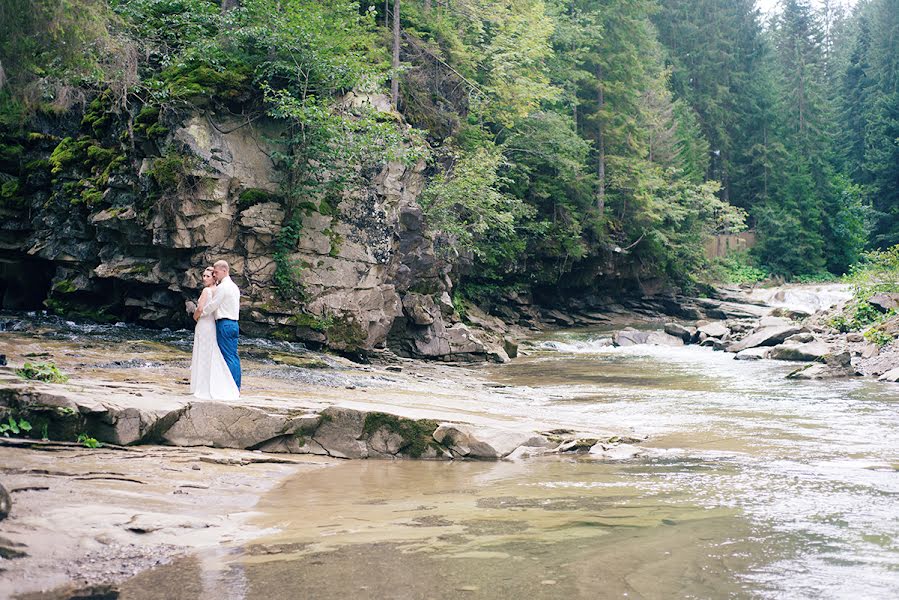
(104, 230)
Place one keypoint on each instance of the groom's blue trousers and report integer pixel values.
(226, 334)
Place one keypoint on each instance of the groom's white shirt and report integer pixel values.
(225, 303)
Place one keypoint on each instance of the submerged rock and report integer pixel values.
(5, 503)
(615, 451)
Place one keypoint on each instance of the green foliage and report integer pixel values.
(468, 204)
(572, 140)
(87, 441)
(86, 157)
(171, 172)
(251, 196)
(496, 51)
(878, 271)
(55, 43)
(878, 337)
(14, 426)
(288, 270)
(42, 371)
(737, 268)
(64, 286)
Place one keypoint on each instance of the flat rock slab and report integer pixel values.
(772, 321)
(891, 375)
(767, 336)
(224, 426)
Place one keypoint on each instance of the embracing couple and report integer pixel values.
(215, 367)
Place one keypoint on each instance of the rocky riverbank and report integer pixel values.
(172, 475)
(794, 323)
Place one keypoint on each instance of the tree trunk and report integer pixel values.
(395, 79)
(229, 5)
(601, 146)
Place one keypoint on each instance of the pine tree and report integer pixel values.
(882, 132)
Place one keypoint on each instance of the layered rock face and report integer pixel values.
(366, 267)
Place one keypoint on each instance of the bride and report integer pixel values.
(209, 374)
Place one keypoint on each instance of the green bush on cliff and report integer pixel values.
(878, 271)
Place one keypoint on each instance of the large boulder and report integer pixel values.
(678, 330)
(483, 442)
(766, 336)
(811, 351)
(340, 433)
(660, 338)
(753, 353)
(714, 330)
(629, 337)
(891, 375)
(885, 301)
(834, 366)
(222, 425)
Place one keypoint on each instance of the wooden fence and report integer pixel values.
(720, 245)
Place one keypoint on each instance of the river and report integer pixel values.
(749, 486)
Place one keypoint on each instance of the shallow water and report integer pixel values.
(750, 486)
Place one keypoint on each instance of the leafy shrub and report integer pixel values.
(14, 426)
(737, 268)
(43, 371)
(876, 336)
(87, 441)
(878, 271)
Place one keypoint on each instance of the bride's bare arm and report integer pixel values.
(201, 304)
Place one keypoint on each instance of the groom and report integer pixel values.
(225, 305)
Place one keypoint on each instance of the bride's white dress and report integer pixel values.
(210, 378)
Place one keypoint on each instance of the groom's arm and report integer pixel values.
(216, 301)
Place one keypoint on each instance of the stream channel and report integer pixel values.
(749, 486)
